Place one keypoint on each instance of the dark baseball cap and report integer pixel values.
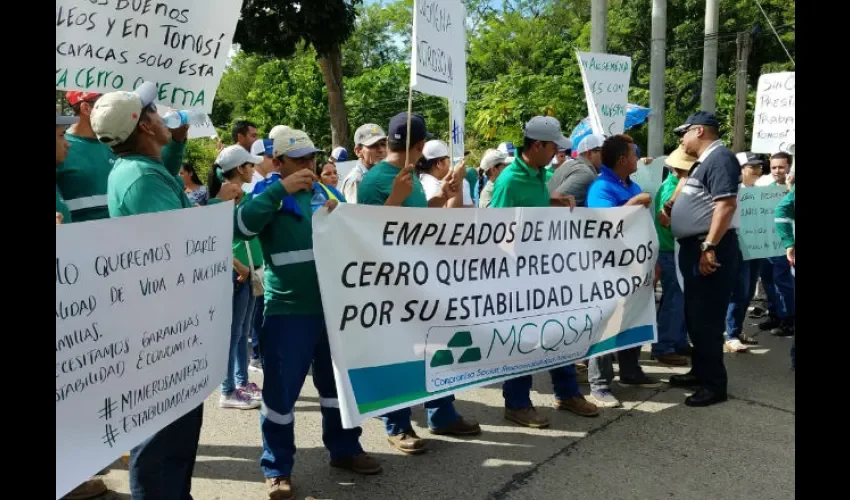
(397, 131)
(699, 118)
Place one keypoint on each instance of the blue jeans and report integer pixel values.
(161, 466)
(441, 412)
(706, 301)
(240, 326)
(256, 326)
(742, 295)
(766, 274)
(290, 344)
(784, 283)
(672, 334)
(516, 391)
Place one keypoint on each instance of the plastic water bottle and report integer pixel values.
(178, 118)
(319, 197)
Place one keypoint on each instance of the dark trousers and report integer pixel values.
(161, 466)
(706, 301)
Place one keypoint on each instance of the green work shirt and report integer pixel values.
(240, 253)
(377, 185)
(520, 186)
(665, 192)
(62, 208)
(140, 185)
(82, 177)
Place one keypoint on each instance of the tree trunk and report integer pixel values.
(331, 66)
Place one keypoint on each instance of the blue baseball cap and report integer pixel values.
(398, 129)
(339, 154)
(698, 118)
(263, 147)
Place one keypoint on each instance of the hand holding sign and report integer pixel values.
(402, 186)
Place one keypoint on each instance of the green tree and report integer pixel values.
(276, 27)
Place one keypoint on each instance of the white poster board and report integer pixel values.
(649, 177)
(429, 302)
(458, 130)
(107, 45)
(606, 87)
(774, 128)
(438, 57)
(142, 329)
(205, 129)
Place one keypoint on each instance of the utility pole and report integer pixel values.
(658, 65)
(709, 58)
(599, 26)
(739, 136)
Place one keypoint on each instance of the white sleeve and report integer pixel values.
(430, 185)
(349, 190)
(467, 197)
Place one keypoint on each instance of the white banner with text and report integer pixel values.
(142, 329)
(428, 302)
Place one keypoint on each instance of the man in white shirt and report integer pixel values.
(370, 146)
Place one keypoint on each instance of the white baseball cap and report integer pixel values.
(116, 114)
(589, 143)
(435, 149)
(235, 156)
(339, 154)
(547, 128)
(492, 158)
(368, 135)
(292, 143)
(278, 128)
(262, 147)
(507, 148)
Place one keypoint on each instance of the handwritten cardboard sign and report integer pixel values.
(775, 115)
(606, 88)
(142, 329)
(107, 45)
(438, 56)
(757, 231)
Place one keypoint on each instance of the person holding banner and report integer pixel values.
(523, 184)
(143, 180)
(370, 146)
(492, 164)
(703, 222)
(392, 183)
(614, 188)
(294, 335)
(435, 169)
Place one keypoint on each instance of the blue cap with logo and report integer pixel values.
(698, 118)
(398, 129)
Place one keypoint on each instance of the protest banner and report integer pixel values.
(757, 231)
(775, 113)
(649, 177)
(196, 130)
(606, 89)
(142, 329)
(438, 56)
(417, 310)
(108, 45)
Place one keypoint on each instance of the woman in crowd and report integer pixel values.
(492, 164)
(235, 165)
(195, 189)
(435, 167)
(327, 174)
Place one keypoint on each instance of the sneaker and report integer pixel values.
(527, 417)
(604, 399)
(238, 400)
(407, 442)
(280, 488)
(784, 330)
(577, 405)
(359, 464)
(672, 359)
(771, 323)
(252, 391)
(757, 312)
(460, 427)
(92, 488)
(255, 365)
(734, 345)
(747, 340)
(644, 382)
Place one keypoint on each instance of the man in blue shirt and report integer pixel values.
(614, 188)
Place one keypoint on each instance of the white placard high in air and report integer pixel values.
(143, 312)
(606, 88)
(775, 126)
(438, 57)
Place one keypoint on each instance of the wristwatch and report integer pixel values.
(707, 246)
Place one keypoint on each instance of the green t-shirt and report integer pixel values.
(472, 179)
(520, 186)
(377, 185)
(240, 253)
(62, 208)
(665, 192)
(82, 177)
(140, 185)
